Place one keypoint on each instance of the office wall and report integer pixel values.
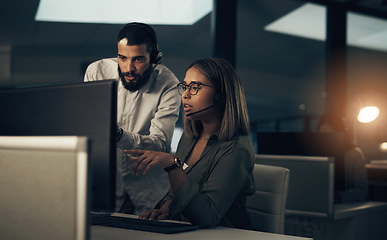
(5, 64)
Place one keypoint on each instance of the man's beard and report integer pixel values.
(141, 80)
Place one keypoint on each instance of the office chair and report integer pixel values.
(266, 206)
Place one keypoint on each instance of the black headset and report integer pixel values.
(155, 55)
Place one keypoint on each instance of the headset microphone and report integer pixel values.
(204, 109)
(218, 100)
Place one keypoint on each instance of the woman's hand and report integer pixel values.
(153, 214)
(159, 214)
(149, 159)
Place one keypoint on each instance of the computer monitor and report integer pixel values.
(44, 190)
(306, 144)
(81, 109)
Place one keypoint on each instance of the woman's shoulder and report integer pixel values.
(240, 141)
(239, 145)
(240, 150)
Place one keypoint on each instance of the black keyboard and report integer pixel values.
(140, 224)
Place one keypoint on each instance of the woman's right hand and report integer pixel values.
(155, 214)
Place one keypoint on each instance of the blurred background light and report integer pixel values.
(368, 114)
(383, 147)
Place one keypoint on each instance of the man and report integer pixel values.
(147, 109)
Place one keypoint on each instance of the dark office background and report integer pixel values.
(284, 76)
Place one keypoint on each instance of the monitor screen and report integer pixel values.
(306, 144)
(82, 109)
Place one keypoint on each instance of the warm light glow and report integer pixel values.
(383, 147)
(368, 114)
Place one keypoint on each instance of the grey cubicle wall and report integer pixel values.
(44, 187)
(311, 183)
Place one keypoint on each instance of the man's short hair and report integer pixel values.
(140, 33)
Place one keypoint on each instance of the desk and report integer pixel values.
(109, 233)
(377, 174)
(351, 221)
(345, 210)
(377, 178)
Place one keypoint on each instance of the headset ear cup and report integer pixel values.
(156, 58)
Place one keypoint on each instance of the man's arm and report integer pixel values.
(167, 113)
(103, 69)
(162, 125)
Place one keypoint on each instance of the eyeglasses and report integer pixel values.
(193, 87)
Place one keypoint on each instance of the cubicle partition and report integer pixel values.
(44, 187)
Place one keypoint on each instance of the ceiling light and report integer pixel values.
(306, 21)
(166, 12)
(368, 114)
(309, 21)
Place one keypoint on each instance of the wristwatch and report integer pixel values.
(176, 164)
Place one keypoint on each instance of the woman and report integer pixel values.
(211, 174)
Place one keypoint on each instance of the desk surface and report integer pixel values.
(109, 233)
(376, 166)
(377, 174)
(359, 208)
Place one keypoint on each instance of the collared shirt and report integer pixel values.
(218, 183)
(147, 117)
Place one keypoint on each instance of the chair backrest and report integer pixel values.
(267, 205)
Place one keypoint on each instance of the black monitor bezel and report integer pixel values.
(82, 109)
